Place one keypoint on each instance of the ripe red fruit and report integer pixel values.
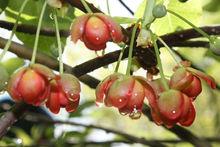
(188, 80)
(125, 93)
(64, 93)
(30, 84)
(95, 30)
(171, 107)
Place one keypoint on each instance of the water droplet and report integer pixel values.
(120, 100)
(123, 113)
(135, 94)
(135, 115)
(113, 31)
(6, 83)
(2, 92)
(173, 111)
(97, 38)
(51, 16)
(98, 104)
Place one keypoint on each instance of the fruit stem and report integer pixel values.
(38, 33)
(58, 42)
(119, 58)
(13, 31)
(191, 24)
(169, 50)
(131, 47)
(148, 16)
(154, 38)
(86, 6)
(108, 8)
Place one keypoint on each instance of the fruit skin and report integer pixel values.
(95, 30)
(30, 84)
(126, 93)
(188, 80)
(64, 93)
(171, 107)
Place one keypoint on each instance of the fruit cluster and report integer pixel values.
(37, 84)
(168, 106)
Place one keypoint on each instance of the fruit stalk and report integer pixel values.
(58, 43)
(13, 31)
(131, 48)
(159, 62)
(38, 33)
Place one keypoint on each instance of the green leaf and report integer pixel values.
(3, 5)
(4, 76)
(26, 139)
(190, 10)
(12, 64)
(47, 45)
(212, 6)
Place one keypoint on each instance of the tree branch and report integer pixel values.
(31, 29)
(41, 119)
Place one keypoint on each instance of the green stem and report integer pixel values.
(191, 24)
(58, 43)
(13, 31)
(38, 33)
(169, 50)
(131, 48)
(86, 6)
(108, 8)
(119, 58)
(159, 62)
(148, 16)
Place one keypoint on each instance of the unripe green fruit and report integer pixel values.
(215, 45)
(4, 76)
(159, 11)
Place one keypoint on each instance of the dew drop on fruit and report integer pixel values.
(123, 113)
(51, 16)
(173, 111)
(113, 31)
(97, 38)
(135, 114)
(98, 104)
(2, 92)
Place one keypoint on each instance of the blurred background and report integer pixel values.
(26, 132)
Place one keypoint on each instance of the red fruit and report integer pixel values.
(64, 93)
(170, 104)
(30, 84)
(103, 87)
(126, 93)
(95, 30)
(121, 91)
(187, 80)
